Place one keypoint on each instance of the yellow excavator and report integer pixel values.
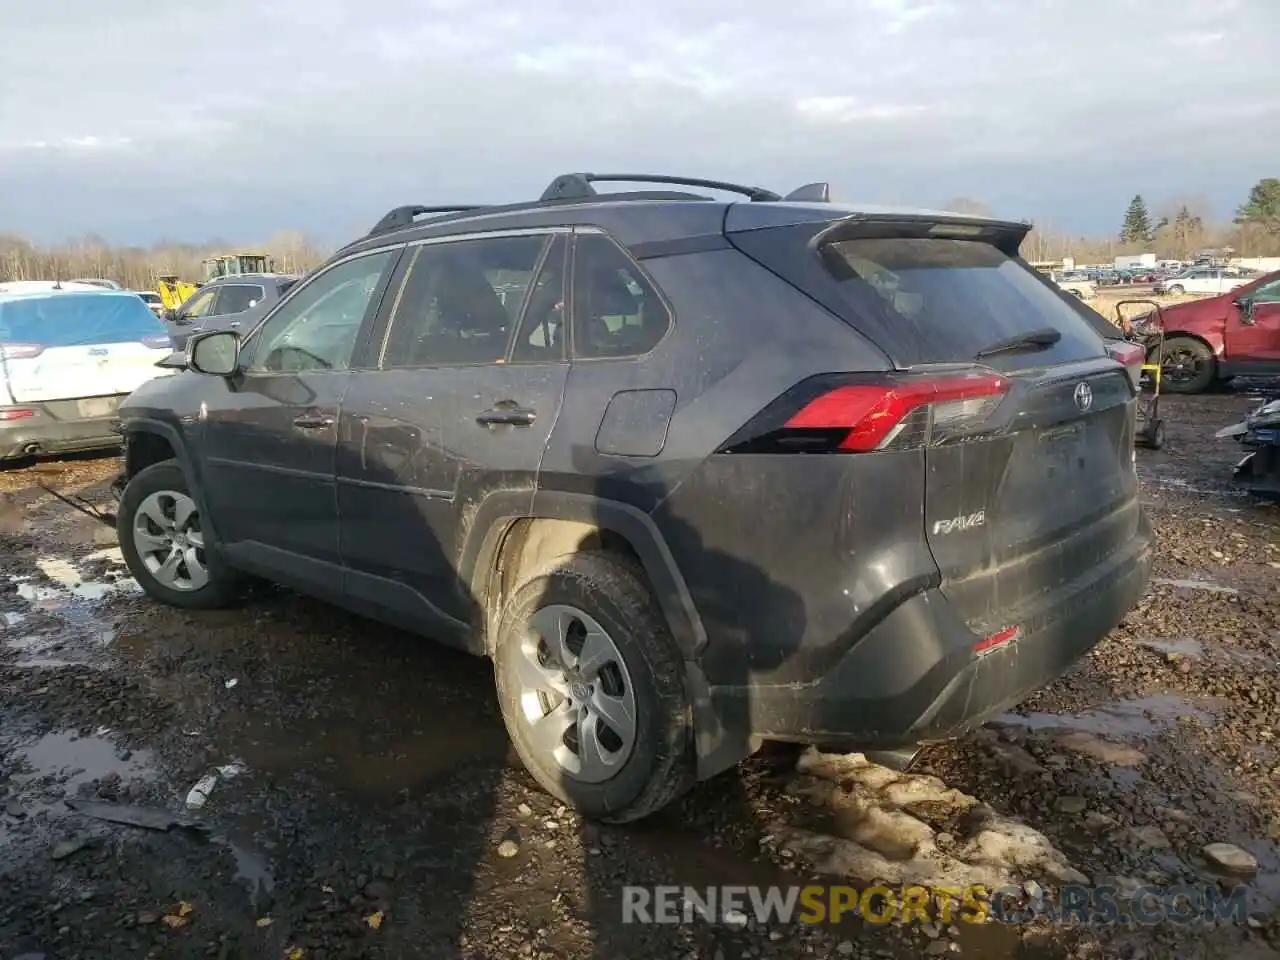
(175, 291)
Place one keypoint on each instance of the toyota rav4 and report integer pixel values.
(693, 473)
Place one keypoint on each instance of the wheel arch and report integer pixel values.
(508, 532)
(148, 441)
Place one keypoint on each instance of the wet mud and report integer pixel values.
(358, 796)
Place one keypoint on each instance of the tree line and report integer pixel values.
(1177, 229)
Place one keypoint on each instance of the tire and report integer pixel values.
(1190, 350)
(1157, 435)
(160, 489)
(607, 589)
(1176, 290)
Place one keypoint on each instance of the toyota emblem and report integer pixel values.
(1083, 396)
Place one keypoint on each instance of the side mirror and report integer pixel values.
(216, 353)
(1246, 309)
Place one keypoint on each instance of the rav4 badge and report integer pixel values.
(960, 523)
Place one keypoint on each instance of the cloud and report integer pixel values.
(239, 118)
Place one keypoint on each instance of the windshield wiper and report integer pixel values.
(1036, 339)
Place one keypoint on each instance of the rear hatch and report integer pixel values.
(1024, 421)
(76, 349)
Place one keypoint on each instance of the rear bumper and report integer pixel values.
(915, 677)
(50, 430)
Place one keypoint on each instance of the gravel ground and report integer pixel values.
(368, 805)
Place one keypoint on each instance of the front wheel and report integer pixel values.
(163, 541)
(590, 683)
(1176, 290)
(1187, 365)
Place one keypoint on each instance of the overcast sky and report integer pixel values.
(236, 118)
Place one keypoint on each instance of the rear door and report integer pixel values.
(86, 347)
(233, 300)
(447, 411)
(1028, 441)
(1045, 490)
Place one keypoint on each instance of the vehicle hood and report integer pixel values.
(1210, 312)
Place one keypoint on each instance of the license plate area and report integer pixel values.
(96, 406)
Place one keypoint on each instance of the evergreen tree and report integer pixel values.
(1262, 209)
(1137, 222)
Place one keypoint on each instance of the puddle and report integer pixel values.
(363, 759)
(75, 760)
(1200, 650)
(56, 650)
(12, 620)
(1139, 717)
(1207, 585)
(1184, 647)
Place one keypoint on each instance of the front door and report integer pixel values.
(456, 407)
(269, 437)
(1253, 332)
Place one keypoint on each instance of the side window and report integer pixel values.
(317, 329)
(616, 312)
(1267, 293)
(238, 297)
(198, 306)
(542, 336)
(460, 300)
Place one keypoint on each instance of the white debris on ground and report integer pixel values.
(902, 828)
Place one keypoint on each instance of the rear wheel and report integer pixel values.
(1177, 290)
(591, 688)
(163, 541)
(1187, 366)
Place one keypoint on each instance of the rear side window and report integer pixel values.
(460, 301)
(69, 320)
(238, 297)
(954, 297)
(616, 311)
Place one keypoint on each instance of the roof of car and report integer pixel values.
(242, 277)
(650, 216)
(43, 294)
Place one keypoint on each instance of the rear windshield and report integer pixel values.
(69, 320)
(954, 297)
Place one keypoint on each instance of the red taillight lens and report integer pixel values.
(20, 351)
(877, 415)
(15, 413)
(836, 414)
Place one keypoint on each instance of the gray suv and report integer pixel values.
(223, 304)
(693, 473)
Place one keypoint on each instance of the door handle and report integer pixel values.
(313, 421)
(512, 416)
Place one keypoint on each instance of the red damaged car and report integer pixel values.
(1233, 334)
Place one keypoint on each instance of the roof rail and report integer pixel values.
(401, 217)
(577, 186)
(810, 193)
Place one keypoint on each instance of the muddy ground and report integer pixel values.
(368, 805)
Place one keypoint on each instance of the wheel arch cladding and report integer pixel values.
(563, 520)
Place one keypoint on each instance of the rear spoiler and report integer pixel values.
(1005, 235)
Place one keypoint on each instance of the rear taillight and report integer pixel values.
(20, 351)
(859, 415)
(1128, 354)
(15, 413)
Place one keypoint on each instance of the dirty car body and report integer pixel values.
(67, 360)
(869, 473)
